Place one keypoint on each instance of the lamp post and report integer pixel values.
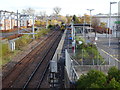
(73, 38)
(84, 27)
(46, 22)
(110, 20)
(90, 17)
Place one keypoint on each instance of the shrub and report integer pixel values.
(5, 55)
(93, 78)
(22, 41)
(89, 51)
(114, 84)
(5, 49)
(97, 79)
(51, 27)
(114, 73)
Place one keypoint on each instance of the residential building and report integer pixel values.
(7, 20)
(12, 20)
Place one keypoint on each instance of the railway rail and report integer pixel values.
(30, 71)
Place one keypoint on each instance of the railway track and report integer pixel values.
(36, 75)
(30, 71)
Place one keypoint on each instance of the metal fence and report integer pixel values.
(75, 70)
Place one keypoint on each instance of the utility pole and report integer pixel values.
(84, 28)
(17, 18)
(47, 23)
(11, 19)
(17, 22)
(4, 21)
(33, 27)
(110, 21)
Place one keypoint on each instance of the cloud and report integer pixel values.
(68, 6)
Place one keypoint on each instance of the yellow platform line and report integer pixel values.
(110, 55)
(115, 55)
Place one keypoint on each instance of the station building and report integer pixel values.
(115, 21)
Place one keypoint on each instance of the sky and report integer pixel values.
(68, 7)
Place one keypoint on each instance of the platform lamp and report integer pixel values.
(90, 17)
(110, 20)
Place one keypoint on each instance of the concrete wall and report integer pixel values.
(84, 69)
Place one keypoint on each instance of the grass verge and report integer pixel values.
(7, 55)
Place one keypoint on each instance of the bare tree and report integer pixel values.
(69, 18)
(29, 11)
(95, 23)
(42, 15)
(57, 10)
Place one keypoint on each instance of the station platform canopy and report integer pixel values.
(77, 25)
(89, 28)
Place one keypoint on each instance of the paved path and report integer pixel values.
(110, 54)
